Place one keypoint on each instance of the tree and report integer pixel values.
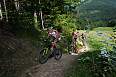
(1, 17)
(112, 23)
(41, 15)
(5, 10)
(16, 2)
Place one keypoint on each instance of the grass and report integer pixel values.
(98, 35)
(103, 29)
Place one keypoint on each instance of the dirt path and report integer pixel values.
(53, 68)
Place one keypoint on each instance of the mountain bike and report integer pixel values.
(48, 51)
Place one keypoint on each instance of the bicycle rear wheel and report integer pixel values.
(43, 57)
(57, 54)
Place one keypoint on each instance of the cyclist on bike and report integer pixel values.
(55, 35)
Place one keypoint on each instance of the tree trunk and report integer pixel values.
(16, 2)
(5, 10)
(42, 22)
(35, 21)
(1, 17)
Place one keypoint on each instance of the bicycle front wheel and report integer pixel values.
(43, 57)
(57, 54)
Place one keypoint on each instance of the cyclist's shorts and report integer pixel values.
(75, 39)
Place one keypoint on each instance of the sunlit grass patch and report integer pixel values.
(100, 37)
(103, 29)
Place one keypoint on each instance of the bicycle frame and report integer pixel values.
(53, 45)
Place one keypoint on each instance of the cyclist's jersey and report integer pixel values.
(54, 33)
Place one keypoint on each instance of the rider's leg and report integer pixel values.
(53, 44)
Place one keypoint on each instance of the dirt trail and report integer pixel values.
(53, 68)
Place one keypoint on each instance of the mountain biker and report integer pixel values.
(51, 50)
(55, 35)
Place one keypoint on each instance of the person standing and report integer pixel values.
(83, 37)
(75, 35)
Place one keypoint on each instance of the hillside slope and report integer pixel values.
(99, 9)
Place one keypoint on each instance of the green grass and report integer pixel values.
(94, 39)
(103, 29)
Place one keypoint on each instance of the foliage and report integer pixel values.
(80, 68)
(100, 63)
(66, 21)
(114, 34)
(111, 23)
(22, 20)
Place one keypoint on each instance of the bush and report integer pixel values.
(100, 63)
